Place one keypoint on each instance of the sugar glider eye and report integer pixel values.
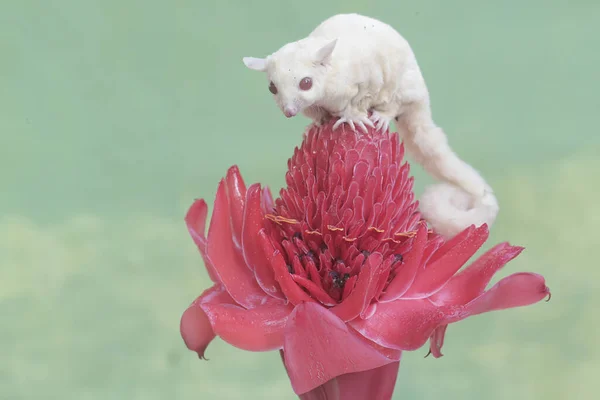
(272, 88)
(305, 83)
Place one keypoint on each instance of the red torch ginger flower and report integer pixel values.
(340, 273)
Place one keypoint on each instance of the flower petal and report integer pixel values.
(437, 273)
(290, 289)
(195, 220)
(406, 275)
(236, 193)
(252, 248)
(194, 326)
(229, 265)
(315, 290)
(472, 281)
(392, 354)
(401, 324)
(267, 200)
(319, 347)
(516, 290)
(258, 329)
(436, 341)
(330, 390)
(376, 383)
(449, 244)
(327, 391)
(359, 298)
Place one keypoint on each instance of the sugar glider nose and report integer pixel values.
(290, 111)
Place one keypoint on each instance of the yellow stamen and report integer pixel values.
(406, 234)
(278, 219)
(313, 233)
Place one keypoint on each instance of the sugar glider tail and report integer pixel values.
(462, 198)
(450, 210)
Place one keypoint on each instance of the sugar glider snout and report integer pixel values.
(290, 111)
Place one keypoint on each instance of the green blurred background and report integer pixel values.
(116, 114)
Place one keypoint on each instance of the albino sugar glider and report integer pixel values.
(362, 71)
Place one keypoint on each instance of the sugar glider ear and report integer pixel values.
(323, 55)
(257, 64)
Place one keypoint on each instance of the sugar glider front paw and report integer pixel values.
(381, 120)
(354, 118)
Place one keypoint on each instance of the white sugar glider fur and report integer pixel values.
(358, 65)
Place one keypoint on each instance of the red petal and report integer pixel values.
(267, 200)
(401, 324)
(194, 326)
(253, 252)
(195, 220)
(392, 354)
(314, 290)
(360, 297)
(330, 390)
(327, 391)
(516, 290)
(451, 243)
(290, 289)
(319, 347)
(349, 287)
(258, 329)
(236, 193)
(437, 273)
(406, 275)
(472, 281)
(376, 383)
(436, 341)
(226, 259)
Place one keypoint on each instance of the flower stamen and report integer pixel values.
(313, 233)
(279, 219)
(406, 234)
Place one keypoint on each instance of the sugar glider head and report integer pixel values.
(296, 73)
